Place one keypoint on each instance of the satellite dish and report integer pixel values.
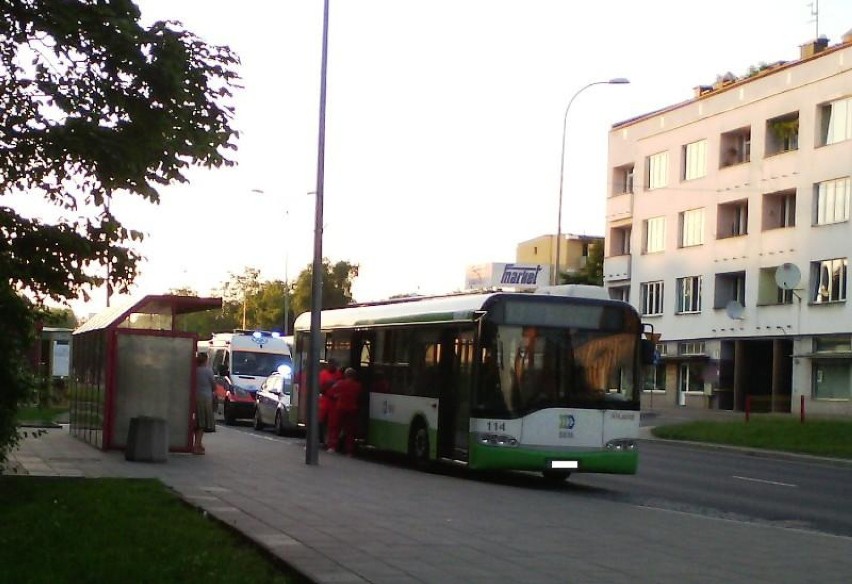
(734, 310)
(787, 276)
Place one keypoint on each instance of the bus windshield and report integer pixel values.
(527, 368)
(258, 364)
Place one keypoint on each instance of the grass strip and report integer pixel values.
(817, 437)
(57, 530)
(36, 414)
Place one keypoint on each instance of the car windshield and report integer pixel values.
(524, 369)
(258, 364)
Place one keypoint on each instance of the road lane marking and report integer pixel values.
(776, 483)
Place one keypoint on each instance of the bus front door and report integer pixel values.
(454, 396)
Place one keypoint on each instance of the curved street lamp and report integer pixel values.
(614, 81)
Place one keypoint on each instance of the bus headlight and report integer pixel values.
(621, 444)
(498, 440)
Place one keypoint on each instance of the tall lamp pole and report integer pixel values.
(312, 437)
(286, 277)
(615, 81)
(286, 269)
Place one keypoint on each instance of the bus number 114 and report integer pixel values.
(496, 426)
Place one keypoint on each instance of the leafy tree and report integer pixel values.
(205, 322)
(592, 272)
(264, 307)
(336, 288)
(269, 306)
(59, 317)
(92, 103)
(239, 291)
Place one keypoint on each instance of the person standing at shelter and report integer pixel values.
(343, 411)
(330, 375)
(205, 385)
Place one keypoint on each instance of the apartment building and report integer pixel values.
(728, 227)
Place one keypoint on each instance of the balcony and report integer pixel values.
(616, 268)
(619, 207)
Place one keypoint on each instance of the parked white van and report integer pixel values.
(241, 361)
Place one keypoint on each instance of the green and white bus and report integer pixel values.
(515, 381)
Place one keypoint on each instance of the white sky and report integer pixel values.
(443, 127)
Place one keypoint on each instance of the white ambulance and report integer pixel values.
(241, 361)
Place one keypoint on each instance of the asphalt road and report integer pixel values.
(792, 492)
(797, 493)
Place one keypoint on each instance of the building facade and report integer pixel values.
(728, 227)
(572, 255)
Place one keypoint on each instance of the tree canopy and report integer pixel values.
(262, 302)
(92, 103)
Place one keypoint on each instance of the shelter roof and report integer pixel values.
(151, 312)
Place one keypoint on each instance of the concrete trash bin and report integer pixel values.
(147, 440)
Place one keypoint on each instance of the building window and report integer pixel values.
(652, 298)
(691, 348)
(690, 378)
(779, 210)
(732, 219)
(619, 240)
(689, 295)
(692, 227)
(655, 234)
(833, 344)
(782, 134)
(622, 180)
(829, 278)
(768, 291)
(694, 160)
(832, 201)
(836, 121)
(735, 147)
(831, 379)
(730, 286)
(620, 293)
(657, 170)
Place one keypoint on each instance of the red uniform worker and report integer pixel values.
(327, 378)
(343, 411)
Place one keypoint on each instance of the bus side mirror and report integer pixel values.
(647, 350)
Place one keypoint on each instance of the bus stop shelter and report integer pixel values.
(129, 362)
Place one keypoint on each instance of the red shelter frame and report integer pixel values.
(130, 361)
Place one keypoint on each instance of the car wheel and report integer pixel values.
(258, 420)
(230, 418)
(279, 424)
(418, 444)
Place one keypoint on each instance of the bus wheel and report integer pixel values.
(228, 414)
(258, 421)
(418, 443)
(556, 476)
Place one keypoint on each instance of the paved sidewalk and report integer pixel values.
(357, 520)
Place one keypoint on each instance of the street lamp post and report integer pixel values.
(614, 81)
(286, 270)
(286, 277)
(312, 435)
